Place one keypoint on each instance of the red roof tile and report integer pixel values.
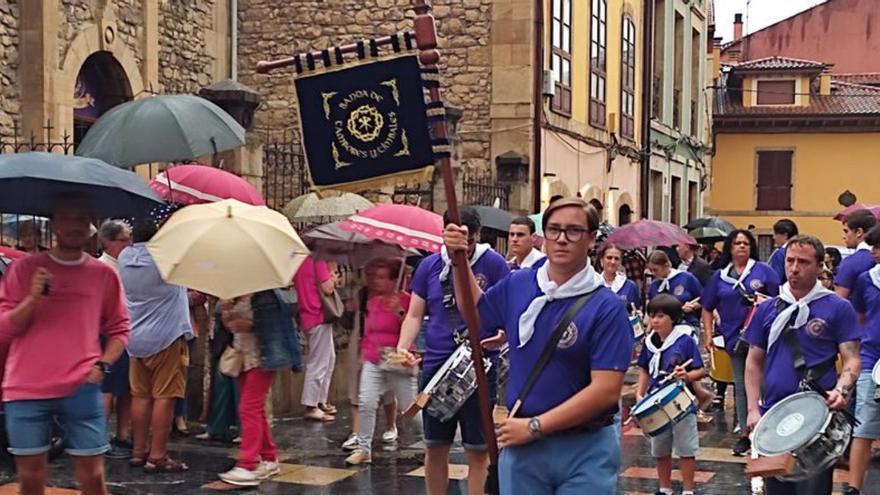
(781, 63)
(859, 78)
(845, 100)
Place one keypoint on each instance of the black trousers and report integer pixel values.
(821, 484)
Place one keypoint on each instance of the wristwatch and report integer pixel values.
(104, 366)
(535, 427)
(842, 391)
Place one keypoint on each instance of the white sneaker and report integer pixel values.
(350, 443)
(268, 469)
(240, 476)
(390, 436)
(359, 457)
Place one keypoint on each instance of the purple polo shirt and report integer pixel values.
(777, 263)
(685, 287)
(852, 266)
(630, 295)
(439, 343)
(683, 349)
(866, 300)
(721, 296)
(599, 338)
(832, 321)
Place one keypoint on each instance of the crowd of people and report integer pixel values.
(808, 317)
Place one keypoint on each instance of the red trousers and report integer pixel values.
(257, 443)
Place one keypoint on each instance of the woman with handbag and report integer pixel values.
(261, 325)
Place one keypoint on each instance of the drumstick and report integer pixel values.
(669, 375)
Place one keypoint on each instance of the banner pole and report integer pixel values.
(426, 41)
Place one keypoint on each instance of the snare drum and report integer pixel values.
(638, 329)
(662, 408)
(453, 384)
(801, 424)
(721, 367)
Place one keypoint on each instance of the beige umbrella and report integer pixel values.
(330, 206)
(227, 249)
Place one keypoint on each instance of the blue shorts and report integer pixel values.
(563, 464)
(867, 410)
(29, 423)
(439, 433)
(117, 382)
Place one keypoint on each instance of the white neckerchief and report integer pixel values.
(617, 283)
(447, 263)
(863, 246)
(530, 259)
(654, 363)
(664, 282)
(800, 306)
(874, 273)
(725, 275)
(583, 282)
(685, 264)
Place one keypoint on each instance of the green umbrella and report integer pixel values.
(333, 206)
(165, 128)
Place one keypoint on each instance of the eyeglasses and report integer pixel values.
(573, 234)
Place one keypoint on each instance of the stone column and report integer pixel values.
(150, 69)
(39, 47)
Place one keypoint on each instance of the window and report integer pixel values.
(560, 59)
(628, 78)
(775, 92)
(774, 180)
(598, 44)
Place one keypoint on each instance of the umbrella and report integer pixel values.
(494, 218)
(538, 218)
(709, 229)
(875, 209)
(403, 225)
(646, 233)
(165, 128)
(331, 243)
(336, 206)
(227, 249)
(11, 253)
(191, 184)
(29, 182)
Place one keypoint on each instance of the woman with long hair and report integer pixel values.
(732, 292)
(610, 257)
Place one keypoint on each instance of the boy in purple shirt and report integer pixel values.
(783, 230)
(855, 227)
(666, 350)
(824, 325)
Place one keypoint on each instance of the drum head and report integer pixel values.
(876, 373)
(790, 424)
(658, 396)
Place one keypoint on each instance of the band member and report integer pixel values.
(855, 227)
(610, 257)
(432, 295)
(693, 264)
(666, 350)
(562, 437)
(824, 325)
(866, 301)
(783, 230)
(684, 286)
(521, 244)
(732, 292)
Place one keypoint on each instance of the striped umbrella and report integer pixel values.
(403, 225)
(196, 184)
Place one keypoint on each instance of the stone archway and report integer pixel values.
(625, 211)
(101, 84)
(589, 191)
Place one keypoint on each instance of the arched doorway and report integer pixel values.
(624, 214)
(101, 84)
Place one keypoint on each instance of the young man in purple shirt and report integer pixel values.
(433, 295)
(783, 230)
(562, 438)
(866, 301)
(855, 227)
(824, 325)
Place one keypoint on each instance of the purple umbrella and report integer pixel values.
(646, 233)
(875, 209)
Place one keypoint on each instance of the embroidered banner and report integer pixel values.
(365, 125)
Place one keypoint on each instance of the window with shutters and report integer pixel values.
(598, 62)
(776, 92)
(560, 57)
(774, 180)
(628, 78)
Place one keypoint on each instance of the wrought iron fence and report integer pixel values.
(284, 173)
(18, 143)
(421, 195)
(483, 189)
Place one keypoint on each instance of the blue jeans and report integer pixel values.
(29, 423)
(564, 464)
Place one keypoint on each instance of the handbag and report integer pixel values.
(231, 362)
(331, 304)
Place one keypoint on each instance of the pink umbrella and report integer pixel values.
(875, 209)
(12, 253)
(649, 233)
(406, 226)
(193, 184)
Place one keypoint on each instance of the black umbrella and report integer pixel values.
(30, 181)
(494, 218)
(709, 229)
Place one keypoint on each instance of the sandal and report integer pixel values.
(137, 460)
(319, 415)
(328, 408)
(164, 465)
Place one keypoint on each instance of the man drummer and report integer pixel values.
(432, 295)
(794, 340)
(562, 437)
(866, 300)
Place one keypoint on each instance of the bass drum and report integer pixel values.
(721, 367)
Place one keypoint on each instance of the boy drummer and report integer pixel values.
(667, 348)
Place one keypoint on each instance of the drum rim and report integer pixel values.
(875, 373)
(657, 405)
(755, 443)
